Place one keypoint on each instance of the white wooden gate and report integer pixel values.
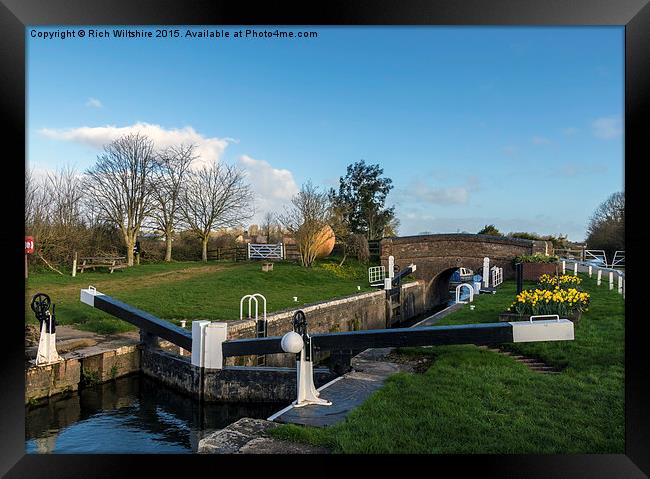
(265, 251)
(619, 259)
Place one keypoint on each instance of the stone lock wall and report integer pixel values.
(232, 383)
(353, 313)
(437, 256)
(92, 365)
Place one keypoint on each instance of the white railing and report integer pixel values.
(376, 274)
(260, 324)
(265, 251)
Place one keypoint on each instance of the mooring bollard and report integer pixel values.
(590, 271)
(600, 277)
(181, 351)
(611, 280)
(620, 284)
(74, 265)
(486, 272)
(563, 267)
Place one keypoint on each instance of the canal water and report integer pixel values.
(133, 414)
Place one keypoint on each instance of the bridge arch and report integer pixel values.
(438, 256)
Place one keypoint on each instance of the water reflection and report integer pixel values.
(130, 415)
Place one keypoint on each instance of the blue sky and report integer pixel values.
(520, 127)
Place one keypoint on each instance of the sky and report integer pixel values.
(520, 127)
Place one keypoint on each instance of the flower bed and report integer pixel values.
(567, 303)
(509, 317)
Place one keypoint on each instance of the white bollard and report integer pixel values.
(611, 280)
(600, 277)
(486, 272)
(575, 269)
(74, 265)
(590, 271)
(563, 267)
(620, 284)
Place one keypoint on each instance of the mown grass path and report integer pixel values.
(194, 290)
(475, 401)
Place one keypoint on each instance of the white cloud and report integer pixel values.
(570, 131)
(540, 140)
(422, 192)
(412, 224)
(572, 169)
(209, 149)
(607, 128)
(442, 196)
(94, 103)
(273, 187)
(510, 150)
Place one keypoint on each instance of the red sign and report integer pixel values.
(29, 244)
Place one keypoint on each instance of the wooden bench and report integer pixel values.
(110, 262)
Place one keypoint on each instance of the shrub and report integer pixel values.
(357, 246)
(535, 258)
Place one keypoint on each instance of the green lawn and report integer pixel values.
(194, 290)
(476, 401)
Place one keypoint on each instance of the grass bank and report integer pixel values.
(194, 290)
(475, 401)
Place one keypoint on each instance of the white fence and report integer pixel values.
(265, 251)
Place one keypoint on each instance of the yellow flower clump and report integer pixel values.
(546, 301)
(565, 279)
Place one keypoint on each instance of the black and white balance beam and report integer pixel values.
(479, 334)
(209, 346)
(143, 320)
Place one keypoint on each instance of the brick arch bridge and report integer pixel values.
(438, 256)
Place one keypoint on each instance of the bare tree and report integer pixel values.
(268, 223)
(120, 186)
(171, 166)
(215, 196)
(306, 220)
(33, 200)
(53, 214)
